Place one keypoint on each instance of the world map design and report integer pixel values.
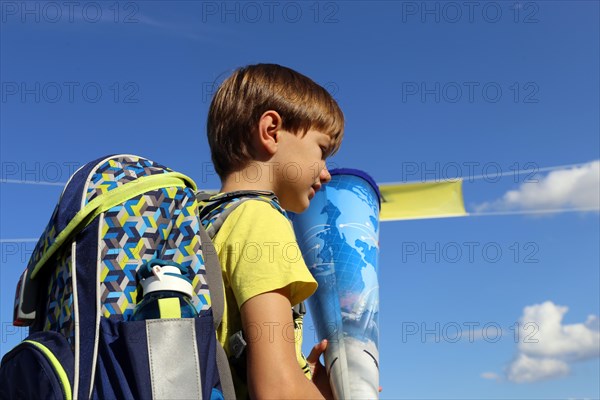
(338, 236)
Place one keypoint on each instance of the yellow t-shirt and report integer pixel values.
(259, 253)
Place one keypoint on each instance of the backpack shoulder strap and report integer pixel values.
(213, 277)
(215, 287)
(214, 209)
(213, 212)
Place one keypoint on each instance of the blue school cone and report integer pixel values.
(339, 238)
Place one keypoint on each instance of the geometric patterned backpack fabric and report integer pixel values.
(162, 224)
(59, 315)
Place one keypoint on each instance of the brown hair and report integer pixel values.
(241, 100)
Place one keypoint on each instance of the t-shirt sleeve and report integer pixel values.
(259, 253)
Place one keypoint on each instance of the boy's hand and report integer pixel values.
(318, 370)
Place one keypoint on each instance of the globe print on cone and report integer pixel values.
(339, 238)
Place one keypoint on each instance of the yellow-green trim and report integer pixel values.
(60, 371)
(110, 199)
(169, 308)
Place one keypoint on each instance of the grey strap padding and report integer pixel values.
(173, 359)
(225, 374)
(217, 300)
(218, 223)
(213, 276)
(204, 196)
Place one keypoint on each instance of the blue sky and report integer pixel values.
(490, 87)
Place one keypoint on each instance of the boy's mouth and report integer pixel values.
(313, 190)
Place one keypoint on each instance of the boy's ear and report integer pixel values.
(269, 129)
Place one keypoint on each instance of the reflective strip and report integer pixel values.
(58, 368)
(75, 317)
(169, 307)
(98, 307)
(173, 359)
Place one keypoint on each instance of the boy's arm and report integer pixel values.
(273, 370)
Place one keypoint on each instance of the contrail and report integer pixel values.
(22, 182)
(19, 240)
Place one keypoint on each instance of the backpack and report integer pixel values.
(79, 290)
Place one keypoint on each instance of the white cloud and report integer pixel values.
(577, 187)
(528, 369)
(548, 337)
(547, 347)
(490, 375)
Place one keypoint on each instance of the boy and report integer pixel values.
(270, 129)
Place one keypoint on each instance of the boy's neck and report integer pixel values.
(255, 177)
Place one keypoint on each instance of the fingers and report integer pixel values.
(316, 352)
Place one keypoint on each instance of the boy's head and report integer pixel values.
(250, 91)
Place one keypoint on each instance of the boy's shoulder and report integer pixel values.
(258, 213)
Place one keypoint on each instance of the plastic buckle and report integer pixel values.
(24, 308)
(237, 344)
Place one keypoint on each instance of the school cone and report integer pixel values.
(339, 238)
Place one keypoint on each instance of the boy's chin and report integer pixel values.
(298, 207)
